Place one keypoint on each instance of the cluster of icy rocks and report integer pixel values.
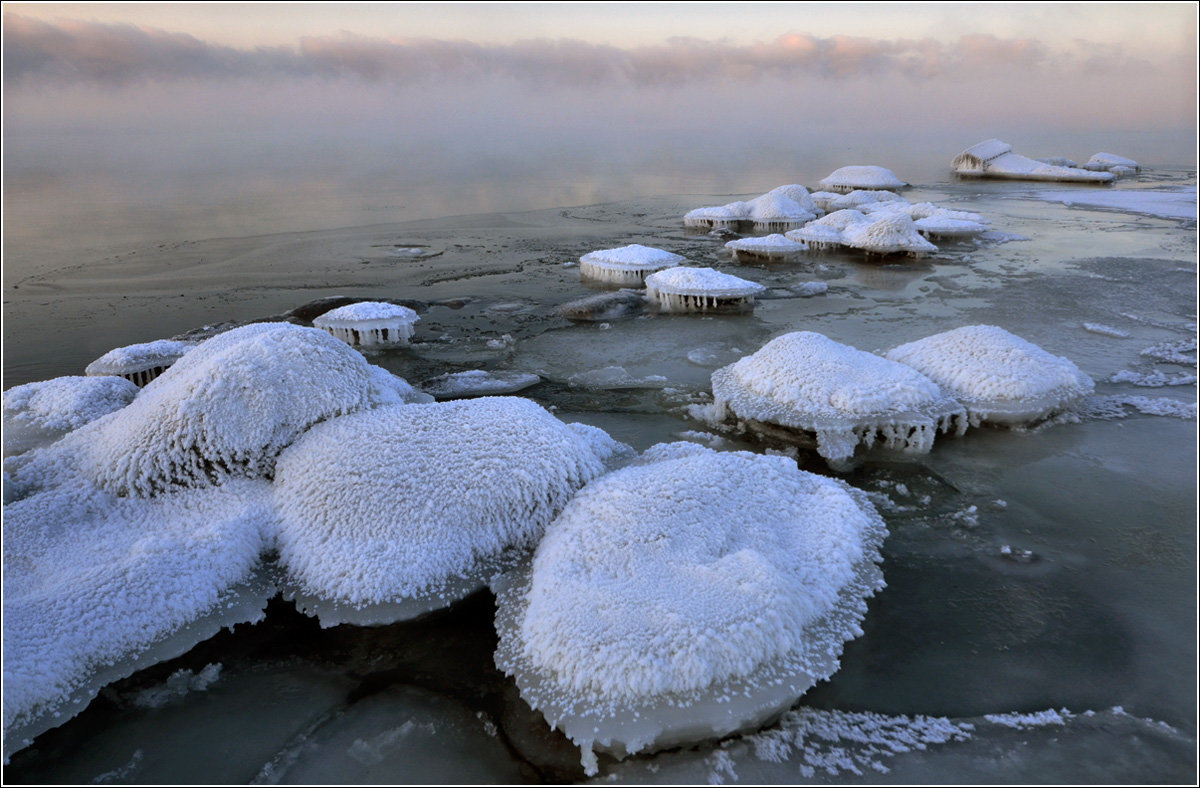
(676, 596)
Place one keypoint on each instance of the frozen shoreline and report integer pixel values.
(1179, 203)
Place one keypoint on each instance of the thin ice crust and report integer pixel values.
(649, 621)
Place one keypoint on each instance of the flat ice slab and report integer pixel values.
(1165, 203)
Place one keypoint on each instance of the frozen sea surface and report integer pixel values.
(1028, 571)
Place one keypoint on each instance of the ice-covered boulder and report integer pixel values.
(995, 159)
(139, 363)
(396, 511)
(699, 290)
(861, 176)
(626, 265)
(796, 192)
(805, 381)
(999, 377)
(1106, 162)
(890, 233)
(718, 217)
(42, 412)
(688, 596)
(769, 247)
(370, 323)
(227, 408)
(774, 212)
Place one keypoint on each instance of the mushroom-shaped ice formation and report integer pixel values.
(41, 412)
(699, 290)
(799, 194)
(369, 323)
(228, 407)
(690, 595)
(626, 265)
(805, 381)
(891, 233)
(861, 176)
(770, 247)
(396, 511)
(1105, 162)
(827, 232)
(999, 377)
(775, 212)
(139, 363)
(718, 217)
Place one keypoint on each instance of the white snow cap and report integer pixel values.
(227, 408)
(368, 323)
(669, 592)
(861, 176)
(367, 311)
(775, 245)
(399, 502)
(998, 376)
(807, 381)
(41, 412)
(702, 282)
(626, 264)
(796, 192)
(132, 359)
(889, 233)
(773, 208)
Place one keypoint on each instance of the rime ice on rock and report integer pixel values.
(228, 407)
(774, 212)
(999, 377)
(369, 323)
(42, 412)
(688, 596)
(891, 233)
(626, 265)
(699, 290)
(397, 511)
(995, 159)
(770, 247)
(139, 363)
(782, 208)
(805, 381)
(718, 217)
(861, 176)
(799, 194)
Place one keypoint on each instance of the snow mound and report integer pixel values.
(699, 289)
(861, 176)
(39, 413)
(806, 381)
(770, 247)
(369, 323)
(626, 265)
(892, 233)
(139, 363)
(999, 377)
(800, 195)
(396, 511)
(690, 595)
(773, 211)
(227, 408)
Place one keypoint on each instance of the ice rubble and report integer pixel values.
(39, 413)
(861, 176)
(999, 377)
(770, 247)
(995, 159)
(228, 407)
(806, 381)
(369, 323)
(690, 595)
(626, 265)
(396, 511)
(700, 289)
(139, 363)
(478, 383)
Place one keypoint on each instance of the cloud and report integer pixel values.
(115, 54)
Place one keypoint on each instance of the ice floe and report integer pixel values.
(688, 596)
(999, 377)
(1177, 203)
(396, 511)
(805, 381)
(140, 363)
(699, 290)
(370, 323)
(626, 265)
(39, 413)
(861, 176)
(478, 383)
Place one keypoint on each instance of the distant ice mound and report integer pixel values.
(700, 290)
(227, 408)
(626, 265)
(806, 381)
(140, 363)
(1109, 162)
(39, 413)
(688, 596)
(996, 159)
(396, 511)
(999, 377)
(370, 323)
(97, 586)
(861, 176)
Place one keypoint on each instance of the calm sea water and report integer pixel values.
(1101, 615)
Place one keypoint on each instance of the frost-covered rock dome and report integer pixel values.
(41, 412)
(370, 323)
(806, 381)
(700, 289)
(626, 265)
(861, 176)
(718, 217)
(889, 233)
(768, 247)
(775, 212)
(394, 512)
(685, 597)
(999, 377)
(140, 363)
(227, 408)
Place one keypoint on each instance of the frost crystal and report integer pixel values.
(689, 595)
(998, 376)
(41, 412)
